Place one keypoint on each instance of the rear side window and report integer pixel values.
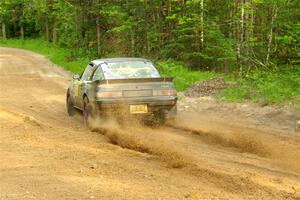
(87, 72)
(98, 74)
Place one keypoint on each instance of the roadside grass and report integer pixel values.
(183, 77)
(56, 54)
(273, 87)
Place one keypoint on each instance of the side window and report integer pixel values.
(98, 75)
(86, 73)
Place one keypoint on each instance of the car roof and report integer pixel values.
(107, 60)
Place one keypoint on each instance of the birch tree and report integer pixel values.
(4, 15)
(270, 36)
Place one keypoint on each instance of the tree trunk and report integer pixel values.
(22, 32)
(238, 58)
(202, 23)
(252, 19)
(132, 43)
(3, 30)
(240, 39)
(250, 33)
(274, 15)
(231, 31)
(76, 24)
(47, 31)
(54, 33)
(159, 29)
(242, 21)
(22, 25)
(146, 24)
(98, 38)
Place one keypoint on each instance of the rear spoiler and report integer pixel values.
(136, 80)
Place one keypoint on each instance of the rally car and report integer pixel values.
(122, 87)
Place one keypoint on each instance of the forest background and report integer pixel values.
(253, 42)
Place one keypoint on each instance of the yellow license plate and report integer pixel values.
(138, 109)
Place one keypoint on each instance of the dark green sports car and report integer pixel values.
(127, 86)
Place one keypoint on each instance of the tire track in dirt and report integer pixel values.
(135, 138)
(20, 117)
(140, 139)
(240, 143)
(281, 150)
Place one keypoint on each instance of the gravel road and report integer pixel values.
(44, 154)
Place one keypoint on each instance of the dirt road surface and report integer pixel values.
(44, 154)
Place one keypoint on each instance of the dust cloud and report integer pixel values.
(138, 137)
(134, 135)
(282, 149)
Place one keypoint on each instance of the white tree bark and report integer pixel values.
(240, 39)
(274, 15)
(242, 21)
(202, 23)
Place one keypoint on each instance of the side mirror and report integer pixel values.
(76, 77)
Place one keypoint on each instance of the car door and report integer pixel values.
(79, 86)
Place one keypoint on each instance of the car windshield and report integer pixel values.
(129, 69)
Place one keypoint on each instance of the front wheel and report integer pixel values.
(70, 107)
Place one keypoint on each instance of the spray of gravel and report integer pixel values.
(283, 150)
(133, 135)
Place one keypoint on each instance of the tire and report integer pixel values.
(86, 112)
(90, 112)
(159, 119)
(70, 107)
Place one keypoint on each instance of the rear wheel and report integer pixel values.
(70, 106)
(159, 119)
(90, 112)
(86, 112)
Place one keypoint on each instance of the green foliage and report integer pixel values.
(235, 94)
(183, 77)
(289, 44)
(246, 38)
(262, 87)
(266, 87)
(202, 34)
(219, 51)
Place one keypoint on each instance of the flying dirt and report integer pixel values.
(208, 154)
